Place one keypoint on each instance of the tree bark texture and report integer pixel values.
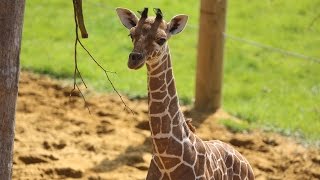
(11, 22)
(210, 55)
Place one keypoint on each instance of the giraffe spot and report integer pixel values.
(244, 170)
(153, 172)
(229, 160)
(192, 138)
(221, 148)
(154, 54)
(236, 177)
(159, 95)
(158, 53)
(174, 148)
(164, 57)
(155, 65)
(157, 161)
(173, 106)
(163, 87)
(201, 178)
(169, 75)
(199, 166)
(176, 119)
(236, 166)
(149, 66)
(200, 146)
(155, 125)
(162, 144)
(189, 154)
(169, 162)
(208, 164)
(219, 175)
(155, 83)
(157, 107)
(186, 129)
(230, 173)
(165, 177)
(176, 131)
(250, 174)
(158, 70)
(172, 89)
(169, 61)
(183, 172)
(166, 102)
(165, 124)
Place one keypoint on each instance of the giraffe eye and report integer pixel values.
(161, 41)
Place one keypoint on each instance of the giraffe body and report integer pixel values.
(178, 154)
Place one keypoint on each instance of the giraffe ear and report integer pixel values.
(127, 17)
(177, 24)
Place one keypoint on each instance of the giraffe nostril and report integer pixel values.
(135, 56)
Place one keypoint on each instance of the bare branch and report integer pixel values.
(79, 17)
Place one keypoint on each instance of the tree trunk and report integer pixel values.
(210, 55)
(11, 21)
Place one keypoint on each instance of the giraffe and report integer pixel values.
(178, 154)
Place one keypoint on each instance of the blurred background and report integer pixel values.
(271, 66)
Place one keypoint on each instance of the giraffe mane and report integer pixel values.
(190, 126)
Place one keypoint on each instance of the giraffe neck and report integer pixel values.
(167, 123)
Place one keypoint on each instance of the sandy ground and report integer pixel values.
(56, 138)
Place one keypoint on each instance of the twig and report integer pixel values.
(106, 73)
(76, 70)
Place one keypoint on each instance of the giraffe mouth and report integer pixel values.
(136, 64)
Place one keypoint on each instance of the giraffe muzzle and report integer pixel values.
(136, 60)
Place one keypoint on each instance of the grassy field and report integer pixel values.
(265, 88)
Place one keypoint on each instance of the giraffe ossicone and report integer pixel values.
(178, 154)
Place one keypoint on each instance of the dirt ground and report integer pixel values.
(57, 138)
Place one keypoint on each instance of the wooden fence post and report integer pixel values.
(11, 20)
(210, 55)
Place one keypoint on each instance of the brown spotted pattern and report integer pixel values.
(178, 154)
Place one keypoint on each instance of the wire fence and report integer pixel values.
(258, 44)
(265, 46)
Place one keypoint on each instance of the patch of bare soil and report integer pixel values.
(56, 138)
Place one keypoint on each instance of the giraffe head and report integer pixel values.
(149, 35)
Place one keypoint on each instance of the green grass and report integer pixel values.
(265, 88)
(235, 126)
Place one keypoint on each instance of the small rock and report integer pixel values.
(94, 178)
(103, 113)
(270, 141)
(263, 149)
(241, 142)
(46, 145)
(69, 172)
(103, 130)
(51, 157)
(62, 144)
(316, 159)
(31, 159)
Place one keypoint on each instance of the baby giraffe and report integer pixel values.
(178, 154)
